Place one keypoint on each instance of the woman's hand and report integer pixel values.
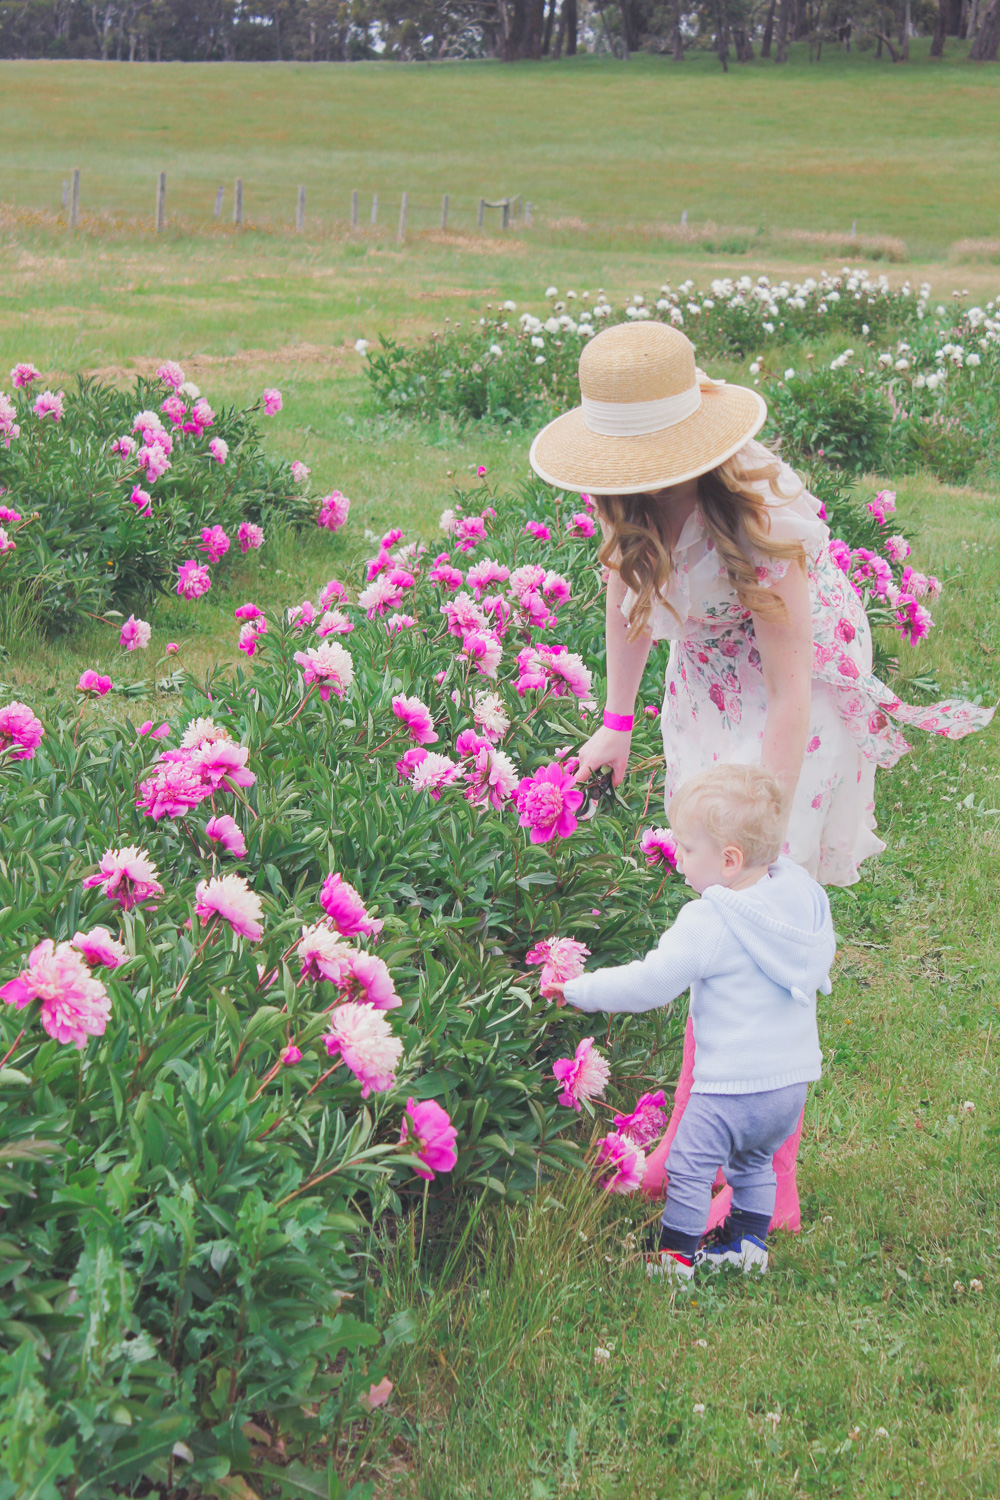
(608, 747)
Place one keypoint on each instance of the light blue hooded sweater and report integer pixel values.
(754, 960)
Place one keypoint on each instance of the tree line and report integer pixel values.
(511, 30)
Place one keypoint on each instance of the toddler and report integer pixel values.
(754, 950)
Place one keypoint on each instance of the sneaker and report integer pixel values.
(746, 1252)
(669, 1264)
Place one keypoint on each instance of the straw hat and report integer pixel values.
(649, 417)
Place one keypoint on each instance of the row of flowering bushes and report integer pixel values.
(916, 385)
(105, 494)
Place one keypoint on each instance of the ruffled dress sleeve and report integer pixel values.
(793, 512)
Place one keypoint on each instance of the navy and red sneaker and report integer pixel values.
(671, 1265)
(724, 1246)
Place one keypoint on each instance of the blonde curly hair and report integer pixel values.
(736, 518)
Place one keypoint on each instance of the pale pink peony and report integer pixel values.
(463, 615)
(364, 1040)
(300, 471)
(214, 543)
(897, 548)
(154, 461)
(548, 803)
(135, 634)
(492, 778)
(485, 649)
(251, 537)
(170, 373)
(482, 574)
(417, 718)
(333, 511)
(489, 714)
(219, 449)
(221, 762)
(647, 1122)
(142, 500)
(250, 635)
(9, 429)
(173, 789)
(620, 1164)
(659, 846)
(323, 956)
(7, 544)
(74, 1005)
(94, 683)
(20, 731)
(396, 623)
(562, 959)
(345, 908)
(202, 732)
(272, 401)
(372, 983)
(174, 408)
(469, 531)
(329, 665)
(431, 1137)
(432, 773)
(193, 579)
(100, 948)
(301, 615)
(335, 622)
(580, 524)
(229, 897)
(331, 593)
(566, 671)
(583, 1076)
(23, 374)
(380, 595)
(227, 832)
(48, 404)
(498, 612)
(883, 505)
(127, 877)
(123, 446)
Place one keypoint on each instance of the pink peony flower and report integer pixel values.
(377, 1395)
(371, 982)
(498, 612)
(556, 588)
(897, 548)
(135, 634)
(193, 579)
(346, 909)
(493, 778)
(300, 471)
(23, 374)
(483, 647)
(651, 711)
(432, 1136)
(481, 471)
(221, 762)
(442, 572)
(172, 648)
(396, 623)
(250, 536)
(431, 773)
(290, 1055)
(329, 665)
(335, 622)
(379, 596)
(6, 544)
(123, 446)
(912, 620)
(883, 505)
(20, 732)
(229, 897)
(142, 500)
(154, 461)
(9, 429)
(174, 787)
(301, 615)
(417, 718)
(363, 1038)
(157, 734)
(647, 1122)
(580, 524)
(330, 593)
(469, 531)
(226, 831)
(333, 511)
(272, 402)
(620, 1163)
(250, 635)
(100, 948)
(659, 846)
(489, 715)
(548, 802)
(538, 531)
(463, 614)
(562, 959)
(174, 408)
(482, 574)
(48, 404)
(170, 373)
(8, 516)
(323, 956)
(248, 612)
(219, 449)
(92, 682)
(214, 543)
(127, 877)
(74, 1005)
(583, 1076)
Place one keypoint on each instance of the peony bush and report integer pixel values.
(108, 498)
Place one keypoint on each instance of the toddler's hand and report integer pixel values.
(556, 994)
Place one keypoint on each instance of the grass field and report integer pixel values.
(904, 150)
(870, 1319)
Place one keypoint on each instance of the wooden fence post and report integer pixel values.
(300, 211)
(374, 208)
(482, 213)
(505, 214)
(444, 211)
(219, 194)
(74, 200)
(354, 209)
(528, 207)
(238, 202)
(403, 207)
(161, 202)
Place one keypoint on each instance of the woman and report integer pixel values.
(713, 544)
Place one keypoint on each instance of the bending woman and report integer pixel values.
(715, 545)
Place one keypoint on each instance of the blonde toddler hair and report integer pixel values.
(738, 806)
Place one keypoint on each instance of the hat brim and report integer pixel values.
(571, 457)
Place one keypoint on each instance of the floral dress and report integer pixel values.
(715, 703)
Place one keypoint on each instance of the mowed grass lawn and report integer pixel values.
(905, 150)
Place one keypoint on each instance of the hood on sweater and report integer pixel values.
(784, 924)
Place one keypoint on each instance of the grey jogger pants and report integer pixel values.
(737, 1132)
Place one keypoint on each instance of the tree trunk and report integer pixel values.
(722, 37)
(904, 32)
(784, 16)
(765, 46)
(549, 23)
(607, 33)
(970, 29)
(626, 49)
(883, 41)
(678, 44)
(560, 34)
(937, 41)
(984, 48)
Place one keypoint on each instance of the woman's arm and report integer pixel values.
(626, 664)
(786, 660)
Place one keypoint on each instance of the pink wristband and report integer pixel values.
(623, 722)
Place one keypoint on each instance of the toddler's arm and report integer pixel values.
(683, 954)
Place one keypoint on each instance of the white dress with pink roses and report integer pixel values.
(715, 704)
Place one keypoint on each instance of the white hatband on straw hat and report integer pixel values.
(649, 417)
